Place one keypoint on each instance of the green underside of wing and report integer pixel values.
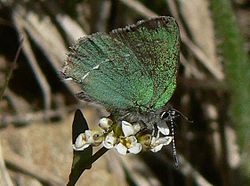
(118, 82)
(158, 51)
(128, 70)
(163, 99)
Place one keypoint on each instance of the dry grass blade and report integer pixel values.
(217, 73)
(19, 164)
(40, 77)
(188, 170)
(139, 8)
(4, 175)
(192, 69)
(139, 172)
(13, 65)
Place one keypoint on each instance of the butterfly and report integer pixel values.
(131, 71)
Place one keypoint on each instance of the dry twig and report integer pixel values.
(41, 79)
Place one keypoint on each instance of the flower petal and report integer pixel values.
(136, 148)
(80, 148)
(109, 141)
(121, 149)
(88, 134)
(81, 143)
(127, 129)
(158, 143)
(165, 140)
(157, 148)
(80, 140)
(105, 123)
(163, 128)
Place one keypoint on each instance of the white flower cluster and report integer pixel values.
(125, 138)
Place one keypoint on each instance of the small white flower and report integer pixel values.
(81, 142)
(109, 141)
(158, 142)
(132, 145)
(87, 138)
(163, 128)
(105, 123)
(129, 144)
(128, 129)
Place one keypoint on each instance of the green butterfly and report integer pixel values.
(131, 71)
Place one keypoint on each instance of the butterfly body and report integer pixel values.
(131, 69)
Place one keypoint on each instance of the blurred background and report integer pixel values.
(37, 106)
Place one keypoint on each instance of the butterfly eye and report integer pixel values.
(170, 114)
(166, 115)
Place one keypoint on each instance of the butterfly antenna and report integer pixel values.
(173, 142)
(183, 116)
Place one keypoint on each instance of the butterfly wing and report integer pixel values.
(155, 43)
(131, 68)
(109, 72)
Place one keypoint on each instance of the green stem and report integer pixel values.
(98, 154)
(77, 172)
